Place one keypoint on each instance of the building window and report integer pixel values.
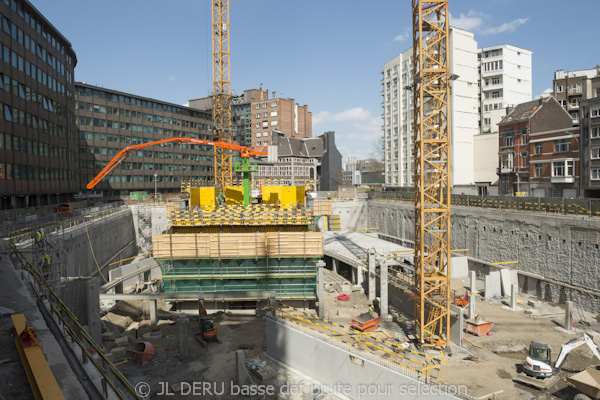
(562, 145)
(560, 88)
(595, 153)
(562, 168)
(496, 80)
(595, 111)
(563, 102)
(538, 148)
(508, 141)
(596, 132)
(486, 121)
(257, 106)
(496, 95)
(523, 159)
(507, 161)
(595, 173)
(538, 171)
(273, 104)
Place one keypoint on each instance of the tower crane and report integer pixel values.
(432, 172)
(221, 91)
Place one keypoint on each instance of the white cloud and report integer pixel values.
(170, 78)
(506, 27)
(186, 104)
(474, 21)
(406, 33)
(470, 22)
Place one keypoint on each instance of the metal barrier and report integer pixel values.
(54, 223)
(71, 326)
(547, 205)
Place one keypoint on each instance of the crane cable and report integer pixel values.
(93, 255)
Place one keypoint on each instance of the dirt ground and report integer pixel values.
(213, 365)
(503, 353)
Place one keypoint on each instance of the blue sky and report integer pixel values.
(327, 54)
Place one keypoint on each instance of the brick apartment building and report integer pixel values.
(568, 89)
(255, 115)
(590, 139)
(515, 147)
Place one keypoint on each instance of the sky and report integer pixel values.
(327, 54)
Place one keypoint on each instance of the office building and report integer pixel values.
(38, 148)
(590, 143)
(108, 121)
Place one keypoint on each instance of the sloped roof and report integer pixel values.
(288, 147)
(524, 111)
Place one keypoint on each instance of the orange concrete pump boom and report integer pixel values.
(245, 152)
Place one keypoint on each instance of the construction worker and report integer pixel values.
(45, 266)
(221, 199)
(39, 238)
(372, 310)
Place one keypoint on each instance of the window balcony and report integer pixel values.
(573, 106)
(504, 170)
(562, 179)
(574, 91)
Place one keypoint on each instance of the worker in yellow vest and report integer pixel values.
(45, 266)
(39, 238)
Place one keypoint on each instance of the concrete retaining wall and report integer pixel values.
(108, 236)
(561, 249)
(360, 377)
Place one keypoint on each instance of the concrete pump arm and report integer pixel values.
(245, 152)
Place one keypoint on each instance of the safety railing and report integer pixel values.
(546, 205)
(19, 232)
(113, 378)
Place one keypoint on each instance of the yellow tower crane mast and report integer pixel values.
(432, 171)
(221, 91)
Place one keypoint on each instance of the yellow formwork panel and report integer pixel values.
(234, 195)
(288, 195)
(300, 194)
(203, 197)
(270, 194)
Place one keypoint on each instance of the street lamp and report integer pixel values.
(155, 180)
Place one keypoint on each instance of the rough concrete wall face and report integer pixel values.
(563, 249)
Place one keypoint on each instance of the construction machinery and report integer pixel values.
(432, 171)
(208, 329)
(588, 384)
(538, 363)
(245, 153)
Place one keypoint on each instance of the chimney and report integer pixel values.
(274, 94)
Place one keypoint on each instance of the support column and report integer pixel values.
(153, 316)
(473, 285)
(360, 277)
(240, 370)
(183, 321)
(568, 312)
(320, 288)
(471, 306)
(383, 292)
(372, 287)
(334, 265)
(513, 296)
(273, 303)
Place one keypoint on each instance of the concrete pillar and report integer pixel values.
(372, 277)
(383, 292)
(471, 307)
(92, 287)
(240, 367)
(273, 303)
(182, 322)
(335, 265)
(473, 285)
(513, 296)
(320, 289)
(568, 312)
(359, 274)
(153, 314)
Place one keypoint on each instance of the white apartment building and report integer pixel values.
(505, 80)
(398, 113)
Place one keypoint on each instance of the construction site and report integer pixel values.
(213, 293)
